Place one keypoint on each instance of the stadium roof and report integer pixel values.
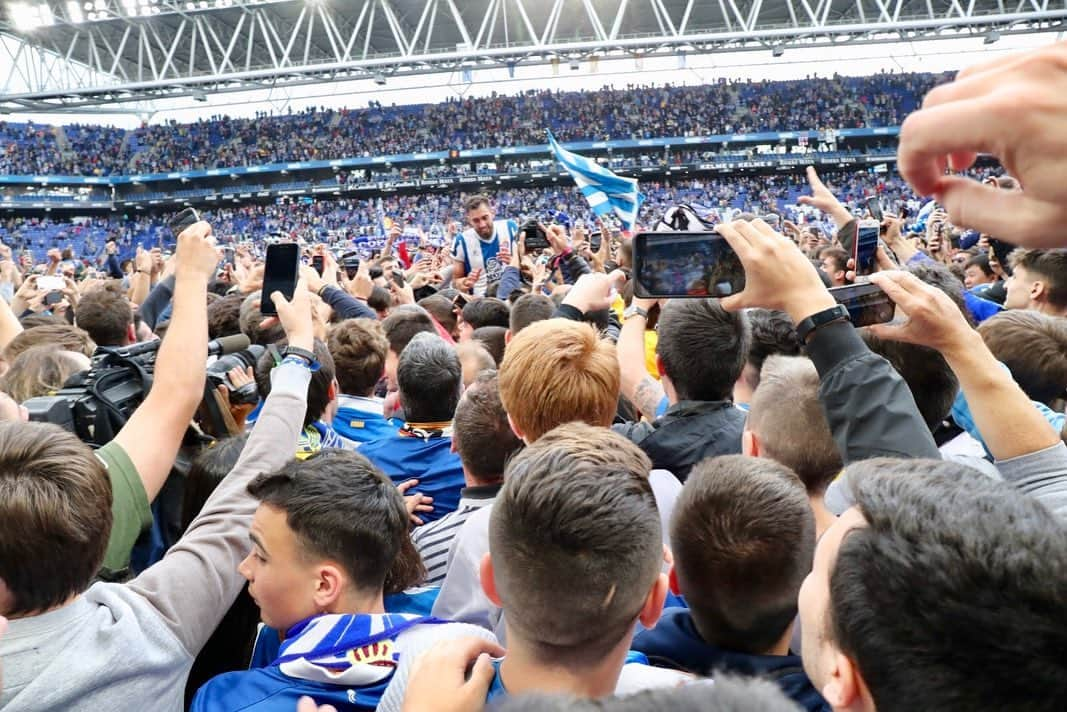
(72, 55)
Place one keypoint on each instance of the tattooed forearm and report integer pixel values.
(647, 396)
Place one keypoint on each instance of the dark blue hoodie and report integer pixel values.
(675, 643)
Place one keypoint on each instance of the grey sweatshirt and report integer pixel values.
(130, 646)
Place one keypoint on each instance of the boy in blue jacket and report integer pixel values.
(326, 533)
(743, 538)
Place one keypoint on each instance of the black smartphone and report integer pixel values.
(318, 262)
(874, 207)
(861, 243)
(1002, 250)
(182, 220)
(459, 301)
(595, 240)
(536, 239)
(280, 273)
(866, 303)
(685, 264)
(53, 298)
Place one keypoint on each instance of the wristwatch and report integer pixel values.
(837, 312)
(303, 354)
(634, 310)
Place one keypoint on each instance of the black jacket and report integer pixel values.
(687, 433)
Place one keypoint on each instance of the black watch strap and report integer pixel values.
(837, 312)
(302, 353)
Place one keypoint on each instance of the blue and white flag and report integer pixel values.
(607, 193)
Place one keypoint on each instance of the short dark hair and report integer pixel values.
(342, 508)
(474, 201)
(106, 315)
(441, 309)
(1050, 264)
(839, 256)
(494, 340)
(358, 348)
(319, 388)
(788, 418)
(1033, 346)
(430, 379)
(380, 299)
(770, 332)
(527, 309)
(981, 261)
(928, 376)
(702, 347)
(487, 311)
(206, 472)
(224, 316)
(569, 509)
(403, 324)
(55, 515)
(481, 433)
(951, 596)
(938, 275)
(743, 536)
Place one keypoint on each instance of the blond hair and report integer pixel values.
(558, 371)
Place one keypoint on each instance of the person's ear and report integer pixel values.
(1038, 291)
(331, 392)
(659, 366)
(507, 338)
(131, 334)
(844, 686)
(489, 580)
(653, 608)
(749, 443)
(672, 581)
(329, 586)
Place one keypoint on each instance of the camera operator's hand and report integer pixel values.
(1014, 108)
(196, 254)
(777, 274)
(824, 200)
(933, 319)
(238, 377)
(295, 317)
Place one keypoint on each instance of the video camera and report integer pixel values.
(95, 404)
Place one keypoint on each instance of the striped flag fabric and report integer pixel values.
(607, 193)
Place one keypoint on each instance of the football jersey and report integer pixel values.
(476, 253)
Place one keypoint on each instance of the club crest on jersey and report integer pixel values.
(381, 654)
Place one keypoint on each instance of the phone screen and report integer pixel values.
(874, 206)
(866, 247)
(280, 273)
(595, 241)
(319, 263)
(183, 220)
(50, 283)
(866, 303)
(685, 264)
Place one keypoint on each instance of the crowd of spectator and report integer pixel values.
(497, 474)
(630, 112)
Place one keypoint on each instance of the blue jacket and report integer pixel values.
(429, 460)
(675, 643)
(361, 420)
(357, 654)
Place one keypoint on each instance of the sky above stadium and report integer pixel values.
(935, 56)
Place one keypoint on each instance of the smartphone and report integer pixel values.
(183, 220)
(874, 207)
(595, 240)
(685, 264)
(50, 283)
(318, 262)
(536, 239)
(862, 244)
(280, 273)
(53, 298)
(459, 301)
(866, 303)
(1001, 250)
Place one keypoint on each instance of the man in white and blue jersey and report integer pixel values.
(485, 246)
